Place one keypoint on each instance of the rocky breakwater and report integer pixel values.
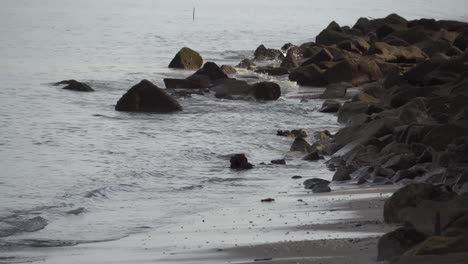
(407, 125)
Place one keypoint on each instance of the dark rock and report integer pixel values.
(292, 58)
(355, 71)
(410, 196)
(323, 55)
(267, 200)
(342, 173)
(212, 70)
(397, 242)
(76, 211)
(335, 90)
(330, 37)
(187, 59)
(147, 97)
(401, 162)
(262, 53)
(394, 54)
(76, 86)
(246, 64)
(296, 177)
(279, 162)
(267, 91)
(308, 75)
(330, 106)
(195, 81)
(350, 109)
(442, 135)
(231, 89)
(412, 35)
(300, 144)
(313, 156)
(311, 183)
(227, 69)
(321, 188)
(286, 46)
(240, 162)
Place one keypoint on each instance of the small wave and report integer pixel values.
(221, 180)
(40, 243)
(76, 211)
(100, 192)
(11, 227)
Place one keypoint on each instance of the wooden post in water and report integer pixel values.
(193, 16)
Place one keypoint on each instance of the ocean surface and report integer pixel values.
(121, 173)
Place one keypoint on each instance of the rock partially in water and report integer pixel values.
(231, 89)
(194, 81)
(262, 53)
(147, 97)
(311, 183)
(279, 162)
(246, 64)
(267, 91)
(330, 106)
(187, 59)
(397, 242)
(240, 162)
(74, 85)
(313, 156)
(212, 71)
(227, 69)
(300, 144)
(293, 133)
(321, 188)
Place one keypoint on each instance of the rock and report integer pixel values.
(187, 59)
(342, 174)
(308, 75)
(279, 162)
(350, 109)
(262, 53)
(293, 133)
(365, 25)
(394, 54)
(227, 69)
(291, 60)
(300, 144)
(313, 156)
(195, 81)
(246, 64)
(212, 71)
(321, 188)
(287, 46)
(401, 162)
(231, 89)
(323, 55)
(267, 91)
(330, 36)
(273, 71)
(330, 106)
(240, 162)
(410, 196)
(267, 200)
(74, 85)
(76, 211)
(147, 97)
(431, 46)
(442, 245)
(412, 35)
(335, 90)
(354, 71)
(397, 242)
(296, 177)
(442, 135)
(311, 183)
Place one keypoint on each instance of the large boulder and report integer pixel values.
(410, 196)
(273, 71)
(356, 71)
(397, 242)
(74, 85)
(311, 183)
(395, 54)
(231, 88)
(394, 21)
(330, 106)
(212, 71)
(331, 35)
(240, 162)
(195, 81)
(310, 75)
(350, 109)
(147, 97)
(324, 55)
(335, 90)
(227, 69)
(187, 59)
(267, 91)
(262, 53)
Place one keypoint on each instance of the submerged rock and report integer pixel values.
(267, 91)
(147, 97)
(240, 162)
(187, 59)
(74, 85)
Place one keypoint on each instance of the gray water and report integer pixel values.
(61, 150)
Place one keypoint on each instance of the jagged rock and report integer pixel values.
(321, 188)
(240, 162)
(311, 183)
(212, 71)
(246, 64)
(187, 59)
(147, 97)
(273, 71)
(262, 53)
(300, 144)
(330, 106)
(410, 196)
(293, 133)
(335, 90)
(401, 162)
(350, 109)
(227, 69)
(308, 75)
(394, 54)
(323, 55)
(397, 242)
(74, 85)
(279, 162)
(292, 58)
(355, 71)
(342, 173)
(231, 89)
(195, 81)
(267, 91)
(287, 46)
